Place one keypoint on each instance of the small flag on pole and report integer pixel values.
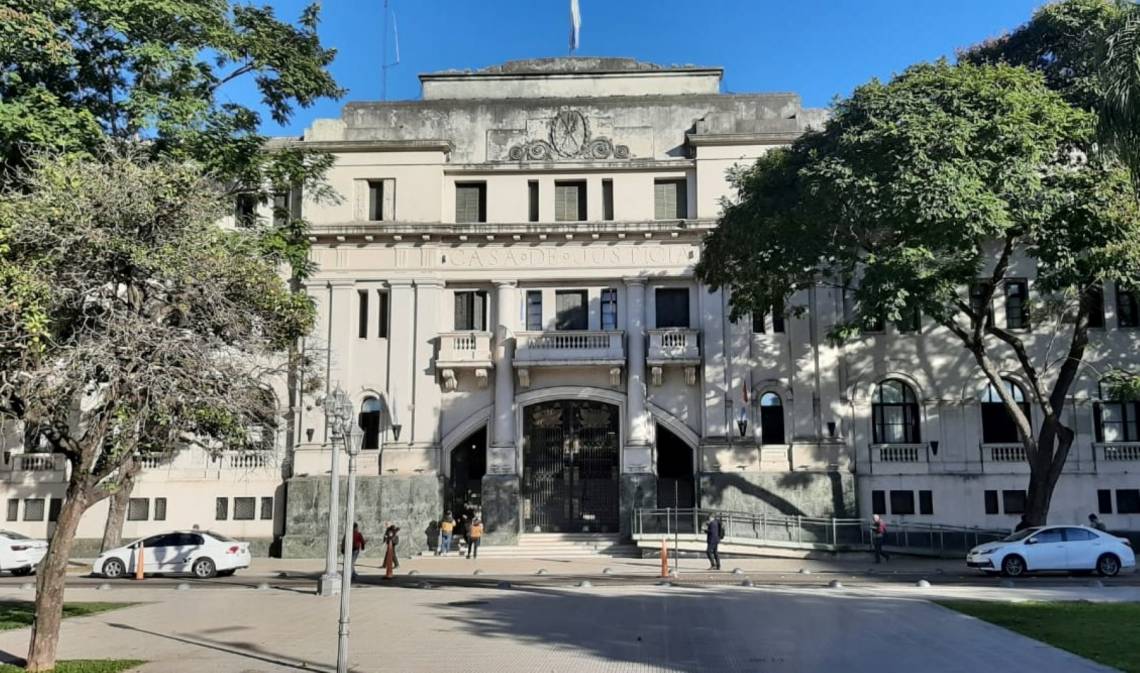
(575, 24)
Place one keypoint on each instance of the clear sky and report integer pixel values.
(817, 48)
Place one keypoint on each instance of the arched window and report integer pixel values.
(1117, 420)
(998, 426)
(370, 422)
(894, 414)
(771, 419)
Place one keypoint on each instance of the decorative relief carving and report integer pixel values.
(569, 137)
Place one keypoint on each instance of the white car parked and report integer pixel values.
(20, 554)
(1059, 548)
(203, 554)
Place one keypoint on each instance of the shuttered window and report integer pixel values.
(471, 310)
(471, 202)
(534, 310)
(138, 509)
(569, 201)
(609, 309)
(670, 200)
(570, 307)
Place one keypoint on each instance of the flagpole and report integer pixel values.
(384, 57)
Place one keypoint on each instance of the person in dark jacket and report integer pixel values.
(712, 538)
(357, 546)
(878, 533)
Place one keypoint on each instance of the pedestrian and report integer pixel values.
(391, 539)
(1096, 523)
(357, 546)
(878, 532)
(475, 534)
(714, 531)
(464, 532)
(446, 530)
(1022, 525)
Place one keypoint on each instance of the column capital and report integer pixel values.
(505, 283)
(340, 282)
(635, 280)
(428, 282)
(400, 282)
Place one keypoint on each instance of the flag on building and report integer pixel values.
(575, 24)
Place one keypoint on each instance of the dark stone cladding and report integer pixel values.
(501, 508)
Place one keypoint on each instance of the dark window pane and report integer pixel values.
(1013, 502)
(1127, 313)
(1017, 304)
(571, 312)
(13, 509)
(221, 509)
(607, 199)
(1104, 501)
(244, 509)
(376, 200)
(369, 422)
(778, 318)
(758, 320)
(672, 304)
(609, 309)
(266, 508)
(992, 502)
(34, 509)
(902, 502)
(895, 414)
(166, 540)
(362, 315)
(471, 202)
(771, 420)
(470, 310)
(138, 509)
(54, 508)
(1048, 536)
(926, 502)
(1096, 306)
(534, 310)
(245, 210)
(977, 299)
(160, 509)
(382, 314)
(878, 502)
(1127, 501)
(532, 200)
(911, 321)
(1078, 534)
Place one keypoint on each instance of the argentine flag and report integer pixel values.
(575, 24)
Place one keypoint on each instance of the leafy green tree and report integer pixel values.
(916, 190)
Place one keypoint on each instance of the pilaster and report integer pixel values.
(637, 452)
(501, 459)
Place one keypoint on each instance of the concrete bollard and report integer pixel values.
(264, 586)
(746, 583)
(922, 584)
(737, 571)
(805, 571)
(585, 584)
(835, 584)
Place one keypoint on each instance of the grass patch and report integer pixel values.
(84, 666)
(1104, 632)
(18, 614)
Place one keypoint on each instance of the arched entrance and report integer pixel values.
(468, 465)
(570, 466)
(675, 484)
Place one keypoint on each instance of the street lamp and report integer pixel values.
(352, 444)
(338, 419)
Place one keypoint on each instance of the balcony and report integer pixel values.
(673, 346)
(898, 459)
(568, 349)
(463, 350)
(35, 468)
(1118, 452)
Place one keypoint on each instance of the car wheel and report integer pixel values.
(204, 569)
(113, 569)
(1013, 566)
(22, 572)
(1108, 565)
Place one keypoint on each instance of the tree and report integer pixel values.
(920, 188)
(131, 324)
(153, 73)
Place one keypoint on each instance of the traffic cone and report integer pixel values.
(664, 559)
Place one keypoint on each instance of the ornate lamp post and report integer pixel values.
(338, 418)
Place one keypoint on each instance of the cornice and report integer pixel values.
(484, 232)
(623, 165)
(774, 138)
(347, 146)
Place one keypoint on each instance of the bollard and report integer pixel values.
(922, 584)
(664, 559)
(835, 584)
(585, 584)
(139, 562)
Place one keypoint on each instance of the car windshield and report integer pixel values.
(1021, 535)
(13, 535)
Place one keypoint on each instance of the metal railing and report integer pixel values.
(803, 532)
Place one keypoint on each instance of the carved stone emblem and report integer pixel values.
(568, 138)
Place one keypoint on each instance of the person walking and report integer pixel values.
(391, 539)
(714, 531)
(474, 535)
(1095, 522)
(446, 531)
(357, 547)
(878, 532)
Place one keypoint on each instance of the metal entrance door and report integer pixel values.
(570, 467)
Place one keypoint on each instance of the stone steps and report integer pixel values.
(561, 545)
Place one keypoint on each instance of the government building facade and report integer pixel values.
(508, 277)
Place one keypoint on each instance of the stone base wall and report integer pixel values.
(638, 491)
(501, 509)
(413, 502)
(814, 494)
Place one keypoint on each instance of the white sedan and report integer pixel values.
(1054, 548)
(20, 554)
(203, 554)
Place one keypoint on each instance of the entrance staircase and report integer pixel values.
(562, 545)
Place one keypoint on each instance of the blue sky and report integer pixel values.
(817, 48)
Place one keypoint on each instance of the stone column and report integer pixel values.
(341, 332)
(638, 483)
(501, 483)
(424, 423)
(401, 347)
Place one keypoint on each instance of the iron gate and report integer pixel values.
(570, 467)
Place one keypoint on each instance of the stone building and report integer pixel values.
(508, 276)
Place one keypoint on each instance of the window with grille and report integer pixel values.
(138, 509)
(670, 200)
(266, 508)
(609, 309)
(221, 509)
(978, 301)
(471, 202)
(34, 509)
(13, 509)
(471, 310)
(160, 509)
(1127, 311)
(534, 310)
(607, 200)
(532, 200)
(570, 308)
(570, 201)
(1117, 421)
(902, 502)
(672, 306)
(1017, 304)
(245, 509)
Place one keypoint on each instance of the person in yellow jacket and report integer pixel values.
(446, 533)
(476, 534)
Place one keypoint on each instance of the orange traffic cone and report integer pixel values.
(664, 559)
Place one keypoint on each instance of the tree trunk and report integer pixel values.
(117, 510)
(52, 575)
(1052, 452)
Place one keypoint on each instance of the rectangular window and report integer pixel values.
(160, 509)
(534, 310)
(245, 210)
(34, 509)
(672, 305)
(1127, 311)
(609, 309)
(1017, 304)
(992, 502)
(54, 507)
(778, 318)
(977, 301)
(470, 202)
(1013, 502)
(911, 321)
(376, 200)
(221, 509)
(670, 200)
(471, 310)
(570, 201)
(532, 200)
(138, 509)
(902, 502)
(570, 308)
(1096, 306)
(245, 509)
(758, 320)
(382, 314)
(878, 502)
(13, 509)
(926, 502)
(1117, 421)
(281, 209)
(607, 200)
(1127, 501)
(362, 316)
(1104, 501)
(266, 508)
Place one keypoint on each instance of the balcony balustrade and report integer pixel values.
(1118, 452)
(464, 350)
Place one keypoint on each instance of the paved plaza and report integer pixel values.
(550, 629)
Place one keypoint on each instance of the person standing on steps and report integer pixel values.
(446, 530)
(878, 532)
(714, 531)
(357, 546)
(474, 534)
